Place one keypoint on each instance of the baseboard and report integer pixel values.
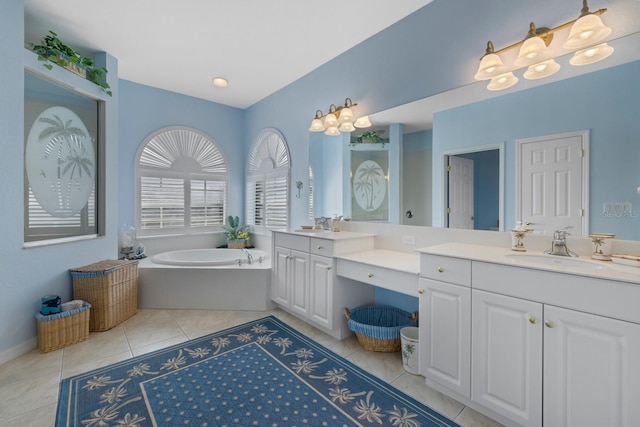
(18, 350)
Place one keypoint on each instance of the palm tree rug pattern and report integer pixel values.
(261, 373)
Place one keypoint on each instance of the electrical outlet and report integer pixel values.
(409, 240)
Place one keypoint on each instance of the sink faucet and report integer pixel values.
(559, 244)
(249, 256)
(324, 222)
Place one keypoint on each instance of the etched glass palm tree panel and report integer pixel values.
(60, 161)
(369, 185)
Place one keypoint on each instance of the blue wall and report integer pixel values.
(28, 274)
(604, 102)
(486, 188)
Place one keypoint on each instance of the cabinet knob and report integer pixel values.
(533, 320)
(369, 275)
(289, 257)
(421, 291)
(319, 247)
(329, 267)
(549, 324)
(440, 269)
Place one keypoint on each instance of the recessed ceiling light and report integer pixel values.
(220, 82)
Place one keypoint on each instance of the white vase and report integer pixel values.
(601, 244)
(517, 240)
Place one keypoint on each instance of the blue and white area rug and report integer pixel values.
(261, 373)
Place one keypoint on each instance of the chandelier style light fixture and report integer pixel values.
(585, 39)
(338, 120)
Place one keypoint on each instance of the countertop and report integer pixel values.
(498, 255)
(394, 260)
(327, 234)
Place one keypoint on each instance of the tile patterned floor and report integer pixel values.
(29, 383)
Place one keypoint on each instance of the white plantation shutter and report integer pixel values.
(208, 202)
(182, 183)
(310, 201)
(161, 203)
(267, 188)
(276, 202)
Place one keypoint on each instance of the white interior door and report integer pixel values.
(552, 188)
(460, 172)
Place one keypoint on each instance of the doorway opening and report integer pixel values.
(474, 187)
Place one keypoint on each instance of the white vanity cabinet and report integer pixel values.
(304, 281)
(591, 370)
(445, 322)
(547, 347)
(507, 356)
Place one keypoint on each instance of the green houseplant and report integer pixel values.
(52, 49)
(237, 236)
(370, 137)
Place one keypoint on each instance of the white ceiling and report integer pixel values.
(260, 46)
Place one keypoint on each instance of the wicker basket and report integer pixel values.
(111, 287)
(62, 329)
(236, 244)
(378, 327)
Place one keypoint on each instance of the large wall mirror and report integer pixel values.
(471, 122)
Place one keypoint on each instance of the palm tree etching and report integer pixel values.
(58, 134)
(365, 180)
(598, 242)
(61, 136)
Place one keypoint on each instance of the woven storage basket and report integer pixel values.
(62, 329)
(236, 244)
(111, 287)
(378, 327)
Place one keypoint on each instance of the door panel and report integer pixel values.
(460, 193)
(550, 194)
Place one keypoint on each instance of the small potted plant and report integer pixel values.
(237, 236)
(52, 49)
(370, 137)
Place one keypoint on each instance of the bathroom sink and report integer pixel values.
(312, 231)
(555, 260)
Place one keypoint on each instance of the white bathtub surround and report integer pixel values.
(210, 257)
(215, 287)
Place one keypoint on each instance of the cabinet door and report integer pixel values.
(445, 334)
(591, 370)
(299, 277)
(321, 291)
(507, 356)
(280, 291)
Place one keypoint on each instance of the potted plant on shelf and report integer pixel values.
(237, 236)
(370, 137)
(52, 49)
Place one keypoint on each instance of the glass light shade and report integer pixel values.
(585, 32)
(330, 120)
(316, 126)
(362, 122)
(591, 55)
(490, 66)
(502, 81)
(346, 127)
(332, 131)
(533, 51)
(346, 115)
(542, 70)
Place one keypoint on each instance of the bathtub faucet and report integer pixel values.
(249, 256)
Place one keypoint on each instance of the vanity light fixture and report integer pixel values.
(585, 38)
(338, 120)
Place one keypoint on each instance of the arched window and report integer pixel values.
(267, 189)
(182, 180)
